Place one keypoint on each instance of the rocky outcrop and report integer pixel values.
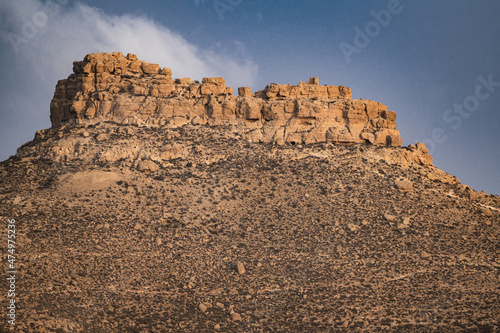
(109, 86)
(418, 154)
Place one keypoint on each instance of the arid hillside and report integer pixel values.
(139, 223)
(244, 237)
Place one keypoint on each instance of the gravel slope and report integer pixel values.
(227, 236)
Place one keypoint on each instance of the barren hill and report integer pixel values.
(162, 205)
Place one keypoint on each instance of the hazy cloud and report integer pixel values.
(40, 41)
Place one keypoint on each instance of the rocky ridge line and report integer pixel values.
(109, 86)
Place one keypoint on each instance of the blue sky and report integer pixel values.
(435, 63)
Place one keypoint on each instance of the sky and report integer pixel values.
(436, 63)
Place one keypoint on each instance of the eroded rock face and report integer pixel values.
(109, 86)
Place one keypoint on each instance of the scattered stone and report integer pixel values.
(486, 211)
(203, 307)
(424, 255)
(402, 226)
(473, 195)
(147, 166)
(389, 217)
(236, 316)
(404, 185)
(352, 227)
(102, 137)
(241, 268)
(17, 200)
(219, 305)
(217, 327)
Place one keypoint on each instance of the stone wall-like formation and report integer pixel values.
(109, 86)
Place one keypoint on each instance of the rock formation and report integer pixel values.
(109, 86)
(127, 221)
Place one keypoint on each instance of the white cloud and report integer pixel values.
(49, 36)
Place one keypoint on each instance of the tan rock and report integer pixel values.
(421, 147)
(131, 57)
(111, 87)
(390, 217)
(183, 81)
(404, 185)
(148, 68)
(214, 80)
(313, 81)
(167, 72)
(102, 137)
(369, 137)
(147, 166)
(251, 109)
(389, 115)
(241, 268)
(244, 92)
(486, 211)
(136, 67)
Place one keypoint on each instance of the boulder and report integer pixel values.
(404, 185)
(244, 92)
(147, 166)
(150, 68)
(313, 81)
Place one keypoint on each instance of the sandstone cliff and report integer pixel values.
(109, 86)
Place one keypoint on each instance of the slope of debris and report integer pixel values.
(192, 229)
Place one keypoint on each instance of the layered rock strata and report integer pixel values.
(109, 86)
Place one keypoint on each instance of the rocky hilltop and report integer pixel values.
(109, 86)
(161, 205)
